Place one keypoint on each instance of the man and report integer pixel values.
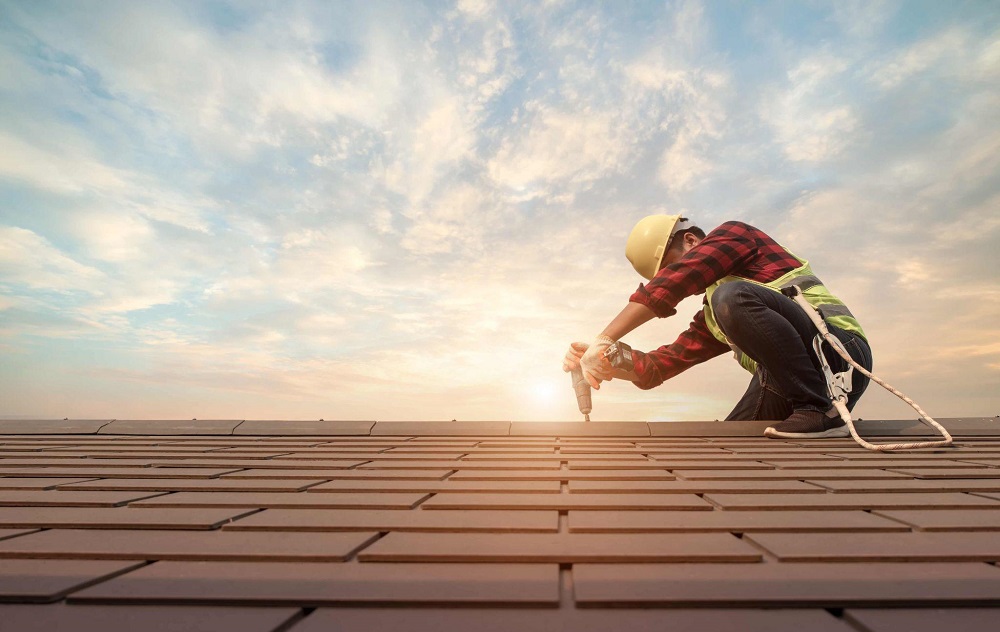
(741, 270)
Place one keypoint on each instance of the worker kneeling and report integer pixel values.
(741, 271)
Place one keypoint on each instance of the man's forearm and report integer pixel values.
(627, 320)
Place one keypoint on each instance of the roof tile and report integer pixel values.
(951, 485)
(28, 483)
(446, 486)
(567, 501)
(281, 499)
(116, 472)
(13, 533)
(186, 545)
(775, 584)
(302, 428)
(939, 473)
(730, 521)
(880, 500)
(383, 464)
(578, 620)
(700, 464)
(576, 429)
(454, 428)
(261, 464)
(903, 460)
(186, 485)
(709, 429)
(170, 427)
(880, 547)
(56, 498)
(145, 618)
(43, 581)
(946, 519)
(51, 426)
(561, 548)
(819, 474)
(118, 517)
(565, 475)
(321, 584)
(394, 520)
(278, 474)
(925, 619)
(693, 487)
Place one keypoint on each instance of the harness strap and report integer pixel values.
(839, 384)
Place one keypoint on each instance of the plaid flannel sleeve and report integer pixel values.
(693, 346)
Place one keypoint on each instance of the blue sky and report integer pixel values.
(407, 210)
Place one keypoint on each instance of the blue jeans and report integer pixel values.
(774, 331)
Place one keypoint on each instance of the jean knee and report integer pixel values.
(726, 302)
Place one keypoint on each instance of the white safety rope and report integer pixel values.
(839, 396)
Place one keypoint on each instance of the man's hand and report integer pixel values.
(597, 368)
(572, 359)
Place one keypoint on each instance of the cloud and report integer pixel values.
(812, 119)
(31, 260)
(437, 145)
(229, 91)
(945, 48)
(560, 147)
(56, 171)
(114, 237)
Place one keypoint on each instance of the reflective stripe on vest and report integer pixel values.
(832, 309)
(829, 311)
(804, 282)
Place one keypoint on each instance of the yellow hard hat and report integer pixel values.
(648, 242)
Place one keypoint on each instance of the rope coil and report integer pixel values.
(840, 403)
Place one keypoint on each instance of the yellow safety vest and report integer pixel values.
(832, 309)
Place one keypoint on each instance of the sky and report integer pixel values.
(387, 210)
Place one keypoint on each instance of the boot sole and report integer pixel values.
(840, 431)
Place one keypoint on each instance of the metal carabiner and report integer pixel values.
(838, 385)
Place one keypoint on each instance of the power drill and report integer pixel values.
(620, 356)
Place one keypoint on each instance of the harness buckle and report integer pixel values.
(838, 385)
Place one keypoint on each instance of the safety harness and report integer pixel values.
(839, 385)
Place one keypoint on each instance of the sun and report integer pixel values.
(545, 393)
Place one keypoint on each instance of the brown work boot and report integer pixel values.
(808, 424)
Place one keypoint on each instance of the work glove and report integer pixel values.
(577, 350)
(572, 359)
(597, 368)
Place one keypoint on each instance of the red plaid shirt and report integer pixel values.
(734, 248)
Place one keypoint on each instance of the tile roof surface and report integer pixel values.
(410, 526)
